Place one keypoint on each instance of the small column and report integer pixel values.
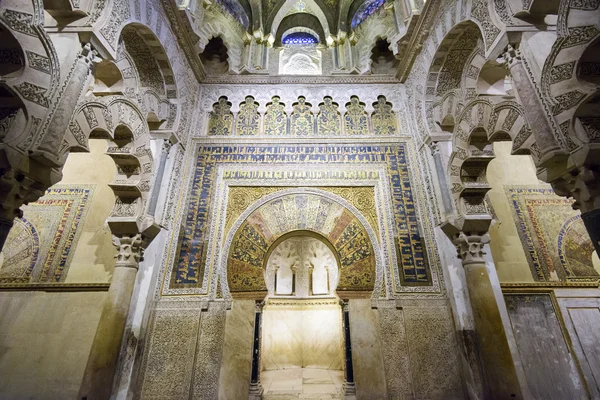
(441, 173)
(536, 116)
(311, 269)
(160, 172)
(256, 389)
(349, 388)
(499, 368)
(102, 361)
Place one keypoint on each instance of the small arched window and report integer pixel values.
(299, 38)
(365, 10)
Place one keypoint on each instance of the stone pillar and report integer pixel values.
(256, 389)
(441, 173)
(499, 368)
(101, 366)
(536, 116)
(349, 388)
(47, 151)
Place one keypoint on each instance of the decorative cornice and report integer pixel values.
(54, 287)
(299, 79)
(415, 43)
(183, 37)
(549, 285)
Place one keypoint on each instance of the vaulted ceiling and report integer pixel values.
(267, 15)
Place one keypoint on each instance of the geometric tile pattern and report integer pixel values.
(190, 258)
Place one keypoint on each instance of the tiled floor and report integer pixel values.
(302, 383)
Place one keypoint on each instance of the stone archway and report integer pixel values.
(333, 218)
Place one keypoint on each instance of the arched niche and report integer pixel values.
(215, 56)
(493, 80)
(301, 264)
(383, 61)
(254, 236)
(108, 79)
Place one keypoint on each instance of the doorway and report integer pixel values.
(302, 354)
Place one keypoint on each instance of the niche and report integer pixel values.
(383, 61)
(215, 57)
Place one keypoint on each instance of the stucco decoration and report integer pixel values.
(119, 119)
(220, 122)
(356, 118)
(329, 121)
(302, 120)
(275, 118)
(300, 212)
(383, 118)
(248, 118)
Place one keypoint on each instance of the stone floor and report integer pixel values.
(302, 383)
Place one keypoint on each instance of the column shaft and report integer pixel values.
(349, 386)
(102, 362)
(256, 389)
(499, 368)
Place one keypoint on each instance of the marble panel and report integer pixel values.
(433, 350)
(234, 380)
(298, 336)
(542, 347)
(209, 352)
(367, 357)
(170, 351)
(395, 351)
(581, 311)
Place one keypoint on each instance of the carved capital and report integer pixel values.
(583, 185)
(512, 55)
(166, 146)
(435, 148)
(258, 306)
(130, 250)
(469, 246)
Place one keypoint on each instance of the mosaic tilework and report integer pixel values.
(553, 235)
(305, 212)
(39, 249)
(411, 259)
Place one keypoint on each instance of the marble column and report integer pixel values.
(441, 173)
(537, 118)
(160, 172)
(256, 389)
(101, 366)
(499, 368)
(349, 388)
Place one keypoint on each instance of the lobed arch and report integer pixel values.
(250, 220)
(147, 74)
(29, 88)
(122, 122)
(480, 124)
(300, 20)
(566, 92)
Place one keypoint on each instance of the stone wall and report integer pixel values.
(46, 336)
